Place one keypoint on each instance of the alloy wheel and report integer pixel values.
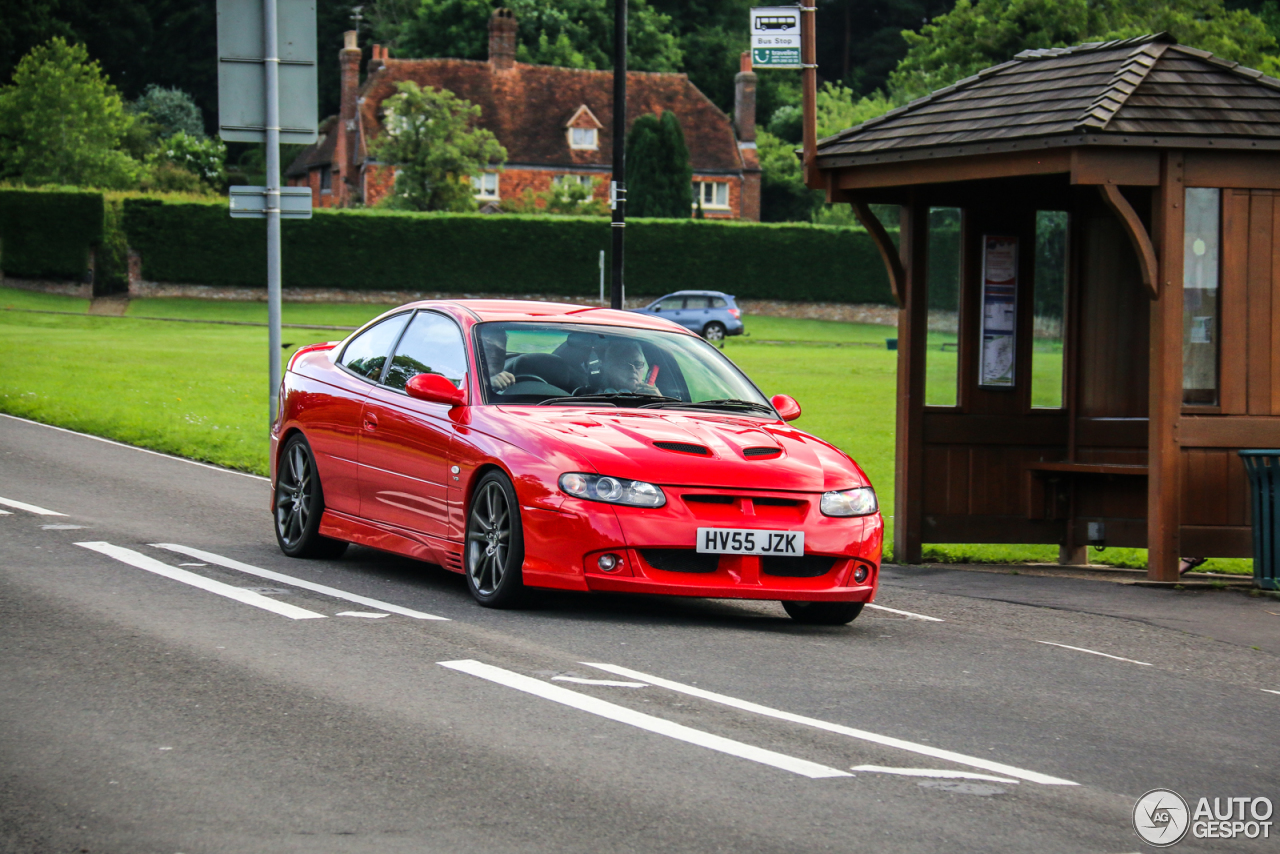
(293, 495)
(489, 539)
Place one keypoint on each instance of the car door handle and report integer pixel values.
(370, 421)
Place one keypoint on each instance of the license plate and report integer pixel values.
(745, 541)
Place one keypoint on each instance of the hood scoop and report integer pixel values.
(684, 448)
(759, 453)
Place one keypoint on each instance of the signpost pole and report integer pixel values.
(618, 191)
(809, 87)
(271, 55)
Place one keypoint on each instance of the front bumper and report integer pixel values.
(656, 548)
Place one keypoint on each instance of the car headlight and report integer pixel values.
(850, 502)
(614, 490)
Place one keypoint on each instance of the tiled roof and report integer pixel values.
(1141, 91)
(528, 107)
(318, 153)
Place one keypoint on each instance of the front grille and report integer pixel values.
(805, 566)
(709, 499)
(683, 447)
(680, 560)
(761, 452)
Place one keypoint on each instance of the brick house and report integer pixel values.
(555, 123)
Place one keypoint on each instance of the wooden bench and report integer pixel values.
(1038, 504)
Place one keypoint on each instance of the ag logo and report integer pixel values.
(1161, 818)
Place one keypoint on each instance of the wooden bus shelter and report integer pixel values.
(1166, 162)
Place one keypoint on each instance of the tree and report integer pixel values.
(172, 110)
(659, 177)
(569, 196)
(980, 33)
(575, 33)
(428, 133)
(62, 122)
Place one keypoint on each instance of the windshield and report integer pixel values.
(555, 364)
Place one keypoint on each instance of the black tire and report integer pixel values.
(823, 613)
(714, 331)
(299, 504)
(494, 551)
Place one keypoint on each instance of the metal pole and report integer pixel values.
(618, 188)
(271, 53)
(602, 277)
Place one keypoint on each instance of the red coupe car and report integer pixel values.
(529, 444)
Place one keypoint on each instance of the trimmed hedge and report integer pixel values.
(46, 234)
(198, 243)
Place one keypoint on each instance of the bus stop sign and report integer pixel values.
(775, 37)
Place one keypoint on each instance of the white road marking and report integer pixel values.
(907, 613)
(1095, 652)
(936, 773)
(30, 508)
(5, 513)
(608, 683)
(1269, 691)
(61, 527)
(864, 735)
(365, 614)
(296, 582)
(193, 564)
(136, 448)
(621, 714)
(257, 600)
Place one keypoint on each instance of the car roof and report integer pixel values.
(485, 310)
(698, 294)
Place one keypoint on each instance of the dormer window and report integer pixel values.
(583, 130)
(583, 138)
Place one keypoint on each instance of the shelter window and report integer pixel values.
(1200, 296)
(942, 357)
(485, 184)
(714, 194)
(1052, 230)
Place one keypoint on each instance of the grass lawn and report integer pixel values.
(199, 390)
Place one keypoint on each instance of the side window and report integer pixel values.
(718, 302)
(431, 345)
(672, 304)
(698, 302)
(367, 352)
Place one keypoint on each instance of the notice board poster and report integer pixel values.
(999, 311)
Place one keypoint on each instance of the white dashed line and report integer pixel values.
(1095, 652)
(864, 735)
(228, 563)
(5, 513)
(935, 773)
(622, 714)
(608, 683)
(1269, 691)
(907, 613)
(30, 508)
(364, 614)
(248, 597)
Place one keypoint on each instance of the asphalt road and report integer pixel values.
(176, 699)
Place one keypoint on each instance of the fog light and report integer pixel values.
(860, 574)
(608, 562)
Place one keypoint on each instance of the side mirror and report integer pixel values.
(434, 388)
(657, 307)
(788, 409)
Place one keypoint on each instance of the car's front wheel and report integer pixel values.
(713, 331)
(299, 504)
(495, 543)
(823, 613)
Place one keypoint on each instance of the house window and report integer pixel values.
(714, 194)
(326, 179)
(583, 138)
(486, 185)
(585, 180)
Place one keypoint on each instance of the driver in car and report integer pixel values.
(495, 352)
(623, 369)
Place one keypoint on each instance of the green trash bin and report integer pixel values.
(1263, 468)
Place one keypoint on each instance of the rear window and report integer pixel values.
(718, 302)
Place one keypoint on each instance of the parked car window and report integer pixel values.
(431, 345)
(672, 304)
(366, 354)
(697, 302)
(718, 302)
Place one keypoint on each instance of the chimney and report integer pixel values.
(744, 100)
(502, 39)
(345, 153)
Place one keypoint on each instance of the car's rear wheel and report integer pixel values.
(823, 613)
(495, 543)
(713, 331)
(299, 504)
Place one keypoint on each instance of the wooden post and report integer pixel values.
(913, 329)
(1164, 488)
(809, 94)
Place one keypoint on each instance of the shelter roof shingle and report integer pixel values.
(1103, 92)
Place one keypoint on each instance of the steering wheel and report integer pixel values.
(530, 378)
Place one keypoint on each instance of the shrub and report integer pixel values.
(46, 234)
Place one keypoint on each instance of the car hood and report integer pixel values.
(630, 444)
